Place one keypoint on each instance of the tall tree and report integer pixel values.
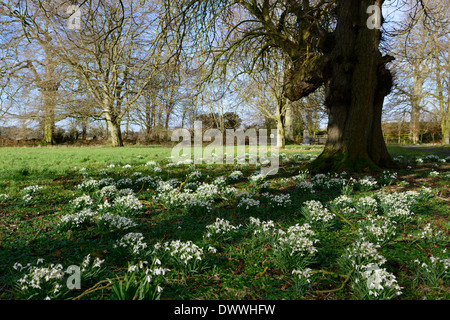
(329, 43)
(356, 85)
(41, 61)
(113, 49)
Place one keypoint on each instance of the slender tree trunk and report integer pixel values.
(356, 86)
(289, 122)
(127, 124)
(416, 97)
(106, 131)
(84, 129)
(445, 122)
(444, 109)
(49, 115)
(281, 140)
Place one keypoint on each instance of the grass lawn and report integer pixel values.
(139, 227)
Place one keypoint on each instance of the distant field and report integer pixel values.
(41, 162)
(21, 162)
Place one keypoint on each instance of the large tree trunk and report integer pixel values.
(112, 123)
(356, 85)
(115, 133)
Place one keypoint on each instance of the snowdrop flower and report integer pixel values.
(83, 201)
(212, 249)
(220, 228)
(134, 242)
(157, 170)
(32, 189)
(433, 174)
(132, 268)
(151, 164)
(27, 198)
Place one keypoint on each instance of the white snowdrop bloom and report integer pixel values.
(304, 274)
(76, 220)
(88, 185)
(247, 202)
(367, 183)
(279, 201)
(27, 198)
(132, 268)
(378, 280)
(151, 164)
(235, 175)
(83, 201)
(220, 227)
(254, 179)
(433, 174)
(124, 183)
(306, 186)
(297, 240)
(362, 252)
(377, 229)
(98, 262)
(212, 249)
(183, 252)
(134, 242)
(114, 222)
(17, 266)
(129, 202)
(342, 201)
(32, 189)
(157, 169)
(317, 214)
(366, 204)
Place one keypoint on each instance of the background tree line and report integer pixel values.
(120, 72)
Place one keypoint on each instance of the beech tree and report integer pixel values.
(115, 52)
(38, 63)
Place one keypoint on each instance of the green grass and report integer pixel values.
(242, 268)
